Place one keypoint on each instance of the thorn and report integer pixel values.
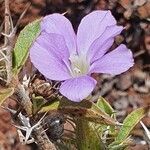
(22, 15)
(14, 29)
(3, 48)
(7, 20)
(9, 110)
(28, 128)
(5, 57)
(1, 26)
(30, 141)
(2, 60)
(43, 117)
(119, 124)
(147, 132)
(26, 81)
(40, 121)
(3, 70)
(7, 35)
(21, 127)
(22, 138)
(3, 79)
(10, 21)
(44, 130)
(65, 13)
(2, 67)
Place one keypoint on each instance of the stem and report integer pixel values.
(87, 138)
(42, 140)
(39, 134)
(7, 25)
(7, 42)
(82, 135)
(22, 95)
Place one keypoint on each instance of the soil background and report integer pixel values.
(125, 92)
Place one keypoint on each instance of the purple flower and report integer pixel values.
(59, 54)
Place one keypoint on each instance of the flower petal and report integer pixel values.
(92, 27)
(101, 45)
(77, 89)
(114, 62)
(45, 57)
(54, 43)
(58, 24)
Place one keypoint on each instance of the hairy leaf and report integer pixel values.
(85, 109)
(24, 41)
(86, 137)
(105, 106)
(129, 123)
(38, 102)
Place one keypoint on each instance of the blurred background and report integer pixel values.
(126, 91)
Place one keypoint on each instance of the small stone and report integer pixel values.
(124, 81)
(121, 104)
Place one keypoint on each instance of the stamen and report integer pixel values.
(77, 70)
(79, 65)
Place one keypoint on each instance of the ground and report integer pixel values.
(125, 92)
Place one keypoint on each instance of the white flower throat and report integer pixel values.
(79, 65)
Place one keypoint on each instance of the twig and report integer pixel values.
(2, 79)
(7, 22)
(42, 139)
(23, 99)
(22, 15)
(137, 54)
(38, 133)
(21, 94)
(1, 27)
(9, 34)
(4, 56)
(7, 42)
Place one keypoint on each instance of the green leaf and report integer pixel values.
(105, 106)
(52, 105)
(129, 123)
(38, 102)
(24, 41)
(86, 137)
(85, 109)
(5, 93)
(121, 146)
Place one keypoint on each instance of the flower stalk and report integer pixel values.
(87, 138)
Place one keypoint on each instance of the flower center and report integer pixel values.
(79, 65)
